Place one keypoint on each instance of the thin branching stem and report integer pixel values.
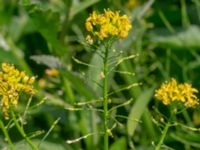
(3, 128)
(82, 63)
(51, 128)
(27, 107)
(122, 60)
(125, 88)
(88, 102)
(121, 105)
(83, 109)
(21, 131)
(164, 133)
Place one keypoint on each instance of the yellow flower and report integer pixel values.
(88, 26)
(172, 91)
(52, 72)
(12, 82)
(107, 24)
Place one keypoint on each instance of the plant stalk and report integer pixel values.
(163, 135)
(105, 99)
(22, 132)
(3, 128)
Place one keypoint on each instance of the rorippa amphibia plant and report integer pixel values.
(105, 29)
(12, 83)
(173, 94)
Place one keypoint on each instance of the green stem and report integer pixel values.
(163, 135)
(185, 19)
(6, 135)
(22, 132)
(105, 99)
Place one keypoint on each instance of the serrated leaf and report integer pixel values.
(138, 109)
(48, 60)
(48, 23)
(186, 39)
(45, 20)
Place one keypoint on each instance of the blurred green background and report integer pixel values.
(37, 35)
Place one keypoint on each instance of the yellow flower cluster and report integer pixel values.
(172, 91)
(12, 82)
(107, 24)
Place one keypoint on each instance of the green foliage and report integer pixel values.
(137, 110)
(47, 60)
(77, 8)
(119, 144)
(186, 39)
(44, 146)
(41, 35)
(45, 21)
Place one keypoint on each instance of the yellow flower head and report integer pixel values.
(12, 82)
(107, 24)
(172, 91)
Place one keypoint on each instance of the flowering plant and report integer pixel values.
(104, 29)
(171, 92)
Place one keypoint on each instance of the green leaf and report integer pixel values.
(75, 9)
(93, 74)
(80, 86)
(48, 60)
(186, 140)
(138, 109)
(10, 53)
(44, 146)
(78, 82)
(119, 144)
(17, 27)
(7, 57)
(187, 39)
(48, 23)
